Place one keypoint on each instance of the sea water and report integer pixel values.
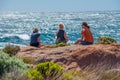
(16, 27)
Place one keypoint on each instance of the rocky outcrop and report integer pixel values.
(77, 57)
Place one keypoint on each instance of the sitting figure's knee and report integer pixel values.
(79, 40)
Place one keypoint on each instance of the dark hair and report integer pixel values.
(35, 30)
(85, 24)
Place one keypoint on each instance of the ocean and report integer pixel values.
(16, 27)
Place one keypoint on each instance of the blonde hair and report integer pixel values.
(35, 30)
(61, 25)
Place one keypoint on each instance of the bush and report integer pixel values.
(34, 75)
(106, 40)
(8, 63)
(14, 75)
(50, 70)
(62, 44)
(28, 60)
(11, 49)
(70, 75)
(46, 71)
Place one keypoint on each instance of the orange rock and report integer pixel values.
(77, 57)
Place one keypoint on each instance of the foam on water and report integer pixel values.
(24, 36)
(20, 36)
(16, 27)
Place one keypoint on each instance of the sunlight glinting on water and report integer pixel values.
(17, 27)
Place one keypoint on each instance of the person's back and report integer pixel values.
(60, 35)
(87, 35)
(35, 38)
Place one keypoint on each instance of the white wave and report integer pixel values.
(21, 36)
(24, 36)
(6, 35)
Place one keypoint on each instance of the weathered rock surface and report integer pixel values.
(77, 57)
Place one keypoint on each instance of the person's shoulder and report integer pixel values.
(83, 29)
(61, 30)
(38, 34)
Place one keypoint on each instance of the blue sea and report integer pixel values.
(16, 27)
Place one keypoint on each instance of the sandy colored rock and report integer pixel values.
(77, 57)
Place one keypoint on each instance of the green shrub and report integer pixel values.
(8, 63)
(11, 49)
(106, 40)
(70, 75)
(14, 75)
(62, 44)
(34, 75)
(76, 75)
(46, 71)
(50, 70)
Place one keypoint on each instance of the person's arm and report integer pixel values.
(82, 33)
(65, 36)
(56, 35)
(38, 39)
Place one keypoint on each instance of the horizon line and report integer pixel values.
(57, 11)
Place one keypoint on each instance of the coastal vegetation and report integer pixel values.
(46, 71)
(11, 49)
(106, 40)
(59, 45)
(10, 65)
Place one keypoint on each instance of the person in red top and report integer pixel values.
(87, 37)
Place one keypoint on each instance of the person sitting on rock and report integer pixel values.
(61, 35)
(87, 37)
(35, 38)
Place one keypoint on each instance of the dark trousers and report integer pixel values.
(86, 43)
(34, 44)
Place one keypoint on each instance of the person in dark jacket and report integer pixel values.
(61, 34)
(35, 38)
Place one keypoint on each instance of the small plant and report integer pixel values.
(50, 70)
(14, 75)
(46, 71)
(70, 75)
(62, 44)
(8, 63)
(11, 49)
(28, 60)
(106, 40)
(34, 75)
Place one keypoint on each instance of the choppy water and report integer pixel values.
(16, 27)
